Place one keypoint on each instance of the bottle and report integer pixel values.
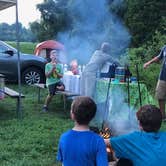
(65, 68)
(79, 69)
(83, 67)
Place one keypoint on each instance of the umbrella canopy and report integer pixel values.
(48, 44)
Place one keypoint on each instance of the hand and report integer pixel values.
(54, 67)
(146, 65)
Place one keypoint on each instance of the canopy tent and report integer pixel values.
(48, 44)
(3, 5)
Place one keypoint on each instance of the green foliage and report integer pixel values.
(144, 18)
(143, 54)
(54, 18)
(148, 76)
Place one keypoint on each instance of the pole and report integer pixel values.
(139, 90)
(19, 110)
(128, 74)
(128, 83)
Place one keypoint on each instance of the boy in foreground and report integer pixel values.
(80, 146)
(146, 147)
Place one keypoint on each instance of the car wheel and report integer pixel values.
(32, 75)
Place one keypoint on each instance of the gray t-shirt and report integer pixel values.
(98, 59)
(162, 56)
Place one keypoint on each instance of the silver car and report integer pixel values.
(31, 66)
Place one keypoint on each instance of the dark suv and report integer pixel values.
(31, 66)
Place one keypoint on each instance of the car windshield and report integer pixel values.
(5, 46)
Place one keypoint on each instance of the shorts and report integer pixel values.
(53, 87)
(161, 90)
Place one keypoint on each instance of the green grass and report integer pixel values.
(33, 140)
(25, 47)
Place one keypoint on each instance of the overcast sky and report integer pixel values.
(26, 11)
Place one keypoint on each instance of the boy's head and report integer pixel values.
(83, 109)
(53, 54)
(150, 118)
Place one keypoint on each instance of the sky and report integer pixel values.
(27, 12)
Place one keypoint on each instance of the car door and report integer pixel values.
(8, 63)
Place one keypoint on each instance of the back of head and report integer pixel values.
(150, 118)
(83, 109)
(105, 47)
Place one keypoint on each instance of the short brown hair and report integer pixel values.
(84, 109)
(150, 118)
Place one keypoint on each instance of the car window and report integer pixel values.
(3, 48)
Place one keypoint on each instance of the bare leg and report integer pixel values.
(48, 100)
(61, 88)
(162, 107)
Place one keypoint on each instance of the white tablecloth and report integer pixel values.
(72, 82)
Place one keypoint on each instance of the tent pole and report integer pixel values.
(19, 110)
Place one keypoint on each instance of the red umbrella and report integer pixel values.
(48, 44)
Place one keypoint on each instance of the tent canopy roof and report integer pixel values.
(48, 44)
(7, 3)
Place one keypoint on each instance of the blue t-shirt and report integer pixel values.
(144, 149)
(162, 56)
(82, 148)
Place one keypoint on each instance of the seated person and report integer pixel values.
(74, 67)
(144, 147)
(53, 72)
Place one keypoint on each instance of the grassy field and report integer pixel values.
(32, 140)
(25, 47)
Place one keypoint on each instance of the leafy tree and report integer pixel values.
(143, 18)
(54, 18)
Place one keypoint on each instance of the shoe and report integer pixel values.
(44, 109)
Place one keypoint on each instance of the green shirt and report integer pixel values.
(52, 79)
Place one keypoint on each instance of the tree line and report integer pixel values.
(145, 20)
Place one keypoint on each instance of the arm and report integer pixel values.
(59, 75)
(101, 157)
(53, 70)
(49, 72)
(155, 59)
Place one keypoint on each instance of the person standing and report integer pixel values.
(88, 78)
(161, 84)
(79, 146)
(54, 73)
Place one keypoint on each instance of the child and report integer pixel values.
(145, 147)
(53, 72)
(80, 146)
